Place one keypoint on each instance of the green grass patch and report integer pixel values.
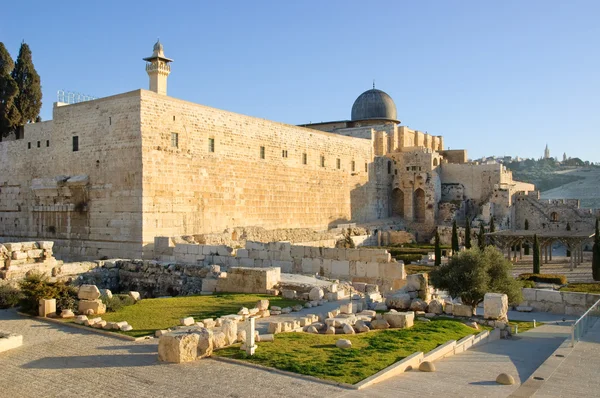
(149, 315)
(524, 325)
(582, 288)
(417, 269)
(316, 354)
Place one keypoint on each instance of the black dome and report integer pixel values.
(374, 104)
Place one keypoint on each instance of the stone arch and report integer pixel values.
(435, 162)
(419, 205)
(397, 202)
(554, 216)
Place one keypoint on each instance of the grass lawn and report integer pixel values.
(582, 288)
(417, 269)
(149, 315)
(524, 325)
(316, 354)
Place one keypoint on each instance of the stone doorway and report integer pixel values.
(419, 205)
(397, 202)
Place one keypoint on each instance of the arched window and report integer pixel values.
(435, 162)
(389, 167)
(554, 216)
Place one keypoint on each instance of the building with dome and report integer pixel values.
(103, 178)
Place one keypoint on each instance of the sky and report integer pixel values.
(493, 77)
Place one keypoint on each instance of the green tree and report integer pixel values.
(454, 237)
(473, 273)
(481, 237)
(568, 229)
(596, 255)
(29, 99)
(468, 234)
(536, 255)
(526, 244)
(9, 114)
(438, 249)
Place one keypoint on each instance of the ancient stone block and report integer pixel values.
(495, 306)
(94, 305)
(399, 301)
(436, 306)
(178, 347)
(574, 299)
(88, 292)
(399, 319)
(551, 296)
(462, 310)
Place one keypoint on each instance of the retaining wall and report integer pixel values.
(567, 303)
(359, 265)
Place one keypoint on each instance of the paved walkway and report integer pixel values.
(577, 375)
(59, 361)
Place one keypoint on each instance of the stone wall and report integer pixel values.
(556, 302)
(215, 178)
(87, 201)
(17, 259)
(551, 214)
(358, 265)
(249, 280)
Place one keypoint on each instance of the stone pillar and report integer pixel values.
(521, 251)
(249, 327)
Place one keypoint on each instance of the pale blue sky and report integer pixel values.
(496, 78)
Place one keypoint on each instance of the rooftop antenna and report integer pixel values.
(373, 84)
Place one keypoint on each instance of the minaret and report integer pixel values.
(546, 152)
(158, 69)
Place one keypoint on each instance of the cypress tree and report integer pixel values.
(568, 229)
(596, 255)
(481, 237)
(526, 244)
(455, 247)
(29, 99)
(492, 229)
(438, 249)
(468, 234)
(9, 114)
(536, 255)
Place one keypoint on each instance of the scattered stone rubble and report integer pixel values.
(195, 340)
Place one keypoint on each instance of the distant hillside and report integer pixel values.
(543, 173)
(578, 180)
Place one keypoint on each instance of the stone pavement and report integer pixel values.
(577, 375)
(59, 361)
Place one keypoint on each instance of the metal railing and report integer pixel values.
(586, 321)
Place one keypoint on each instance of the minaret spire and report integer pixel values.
(158, 69)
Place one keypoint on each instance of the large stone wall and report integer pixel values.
(88, 201)
(190, 190)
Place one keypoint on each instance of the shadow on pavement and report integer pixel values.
(93, 361)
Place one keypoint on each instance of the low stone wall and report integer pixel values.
(556, 302)
(358, 265)
(151, 278)
(17, 259)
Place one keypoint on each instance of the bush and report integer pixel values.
(473, 273)
(556, 279)
(528, 284)
(36, 287)
(9, 296)
(116, 302)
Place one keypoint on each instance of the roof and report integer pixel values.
(374, 105)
